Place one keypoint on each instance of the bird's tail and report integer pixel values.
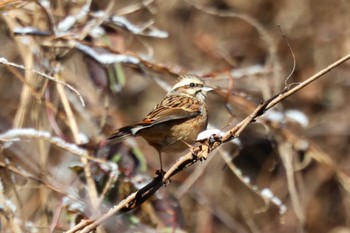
(120, 134)
(123, 133)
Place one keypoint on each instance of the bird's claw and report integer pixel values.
(160, 172)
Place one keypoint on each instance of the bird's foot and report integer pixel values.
(160, 172)
(194, 152)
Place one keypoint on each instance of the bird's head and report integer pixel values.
(191, 85)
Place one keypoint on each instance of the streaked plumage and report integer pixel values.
(176, 121)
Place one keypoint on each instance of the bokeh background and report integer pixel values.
(289, 171)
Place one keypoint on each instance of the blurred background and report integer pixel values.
(287, 172)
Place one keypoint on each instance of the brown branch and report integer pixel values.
(198, 153)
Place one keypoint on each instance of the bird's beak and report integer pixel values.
(206, 89)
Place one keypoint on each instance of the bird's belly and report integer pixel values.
(174, 136)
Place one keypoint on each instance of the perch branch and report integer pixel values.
(197, 153)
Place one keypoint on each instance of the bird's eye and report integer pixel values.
(192, 85)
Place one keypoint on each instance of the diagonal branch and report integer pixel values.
(198, 153)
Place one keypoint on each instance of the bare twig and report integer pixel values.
(273, 60)
(74, 128)
(301, 85)
(8, 211)
(17, 134)
(287, 159)
(109, 184)
(5, 62)
(293, 56)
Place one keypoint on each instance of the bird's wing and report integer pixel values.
(173, 108)
(168, 114)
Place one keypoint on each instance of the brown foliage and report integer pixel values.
(92, 66)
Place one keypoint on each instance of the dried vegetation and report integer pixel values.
(71, 71)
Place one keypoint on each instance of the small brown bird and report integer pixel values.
(175, 121)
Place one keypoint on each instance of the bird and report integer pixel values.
(174, 123)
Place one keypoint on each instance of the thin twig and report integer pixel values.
(5, 62)
(109, 184)
(292, 53)
(301, 85)
(74, 128)
(273, 60)
(14, 135)
(287, 159)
